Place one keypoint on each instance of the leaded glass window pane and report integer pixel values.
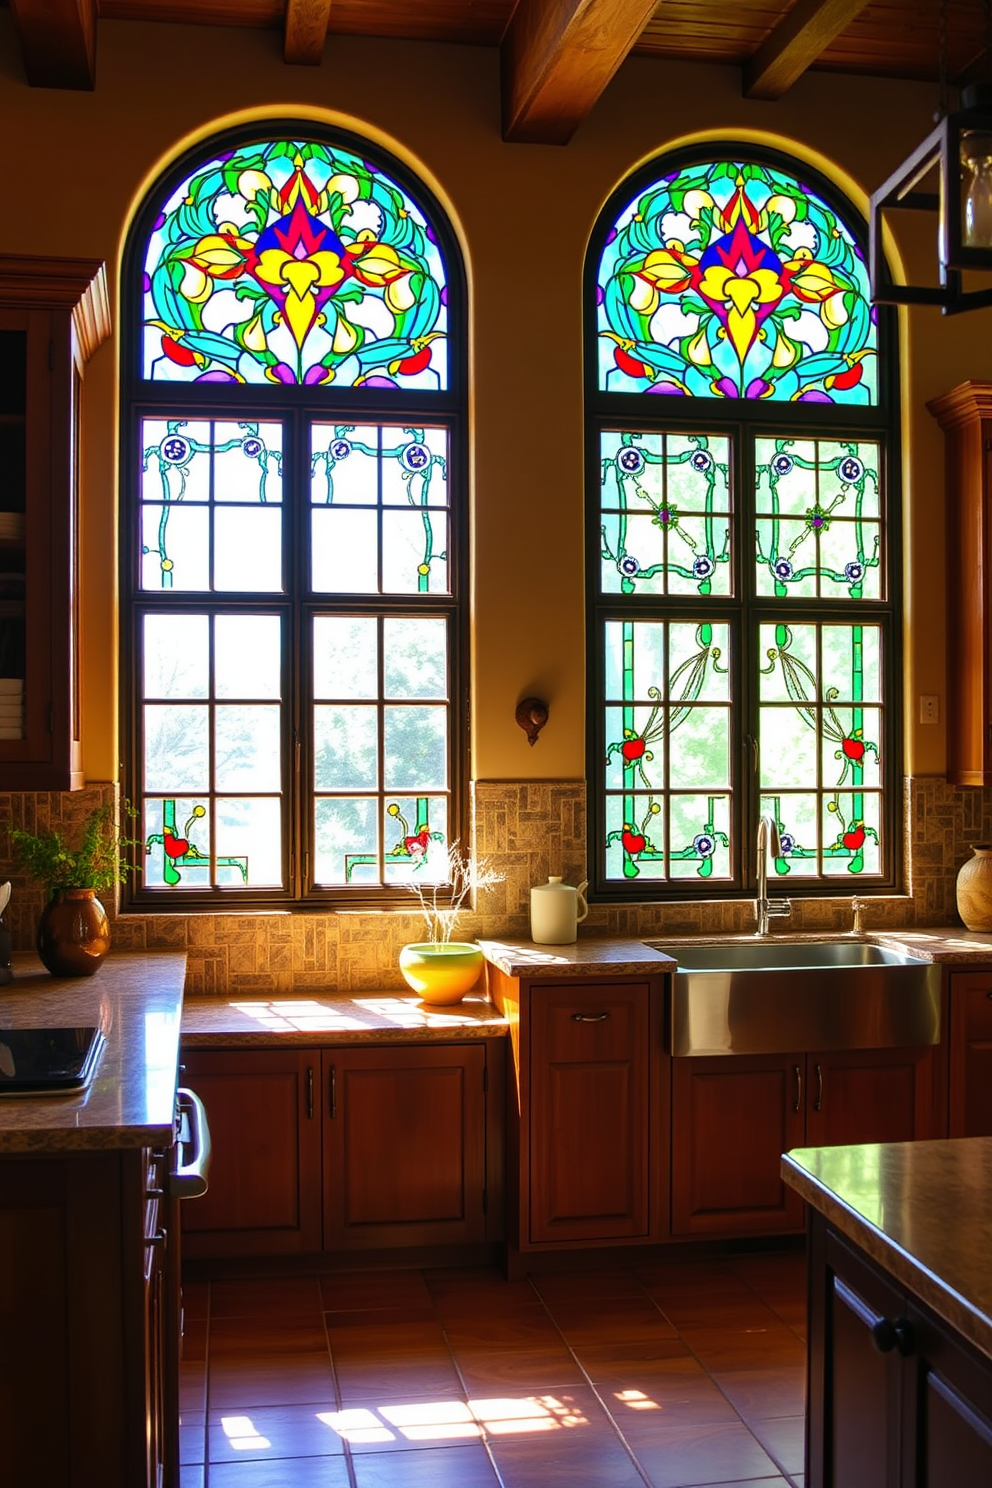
(821, 726)
(818, 519)
(666, 513)
(734, 279)
(294, 262)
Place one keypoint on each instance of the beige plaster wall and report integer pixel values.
(75, 164)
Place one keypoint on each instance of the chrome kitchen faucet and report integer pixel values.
(767, 909)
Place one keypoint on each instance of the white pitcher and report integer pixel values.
(556, 909)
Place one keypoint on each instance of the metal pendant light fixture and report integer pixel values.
(959, 152)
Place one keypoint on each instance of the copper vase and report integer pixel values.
(73, 933)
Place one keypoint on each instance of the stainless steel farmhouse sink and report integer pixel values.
(774, 997)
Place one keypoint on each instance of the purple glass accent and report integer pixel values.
(159, 222)
(726, 387)
(215, 377)
(380, 382)
(813, 395)
(313, 374)
(283, 373)
(146, 283)
(757, 388)
(671, 389)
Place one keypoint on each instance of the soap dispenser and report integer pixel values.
(556, 910)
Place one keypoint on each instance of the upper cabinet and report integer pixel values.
(965, 415)
(54, 313)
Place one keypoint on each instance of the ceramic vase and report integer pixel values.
(974, 888)
(441, 973)
(73, 933)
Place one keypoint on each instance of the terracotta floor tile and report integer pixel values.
(720, 1350)
(194, 1346)
(362, 1380)
(472, 1307)
(275, 1379)
(193, 1442)
(285, 1472)
(268, 1432)
(380, 1340)
(392, 1316)
(196, 1298)
(278, 1296)
(671, 1392)
(193, 1476)
(765, 1394)
(452, 1467)
(359, 1290)
(572, 1461)
(688, 1456)
(528, 1330)
(612, 1320)
(737, 1309)
(490, 1371)
(443, 1280)
(434, 1422)
(582, 1286)
(266, 1335)
(784, 1440)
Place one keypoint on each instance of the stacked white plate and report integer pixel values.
(11, 524)
(11, 707)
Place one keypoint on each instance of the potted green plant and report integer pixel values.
(440, 968)
(73, 931)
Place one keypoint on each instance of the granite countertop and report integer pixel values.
(588, 956)
(136, 1000)
(920, 1210)
(336, 1017)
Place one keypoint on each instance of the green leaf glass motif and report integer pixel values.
(667, 722)
(817, 519)
(666, 513)
(821, 722)
(294, 262)
(733, 279)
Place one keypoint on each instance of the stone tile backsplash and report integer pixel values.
(528, 831)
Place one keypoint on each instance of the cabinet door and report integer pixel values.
(404, 1146)
(589, 1112)
(264, 1193)
(869, 1095)
(732, 1118)
(953, 1442)
(971, 1054)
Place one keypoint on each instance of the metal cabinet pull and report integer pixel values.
(799, 1087)
(309, 1092)
(589, 1017)
(818, 1103)
(159, 1238)
(333, 1093)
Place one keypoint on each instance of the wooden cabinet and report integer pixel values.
(405, 1146)
(589, 1122)
(263, 1106)
(83, 1308)
(733, 1117)
(896, 1400)
(53, 315)
(965, 416)
(970, 1075)
(348, 1148)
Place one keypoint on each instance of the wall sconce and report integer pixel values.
(531, 715)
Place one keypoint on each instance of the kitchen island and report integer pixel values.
(88, 1314)
(900, 1313)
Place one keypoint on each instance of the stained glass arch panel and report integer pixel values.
(732, 278)
(294, 261)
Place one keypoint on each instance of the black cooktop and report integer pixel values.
(48, 1061)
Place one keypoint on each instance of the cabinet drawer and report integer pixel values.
(970, 1075)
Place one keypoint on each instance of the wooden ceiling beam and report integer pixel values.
(801, 36)
(305, 31)
(58, 42)
(557, 56)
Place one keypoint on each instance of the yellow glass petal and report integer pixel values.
(254, 335)
(740, 329)
(251, 182)
(714, 281)
(698, 350)
(300, 275)
(786, 353)
(345, 185)
(833, 311)
(195, 285)
(399, 295)
(379, 264)
(328, 266)
(784, 206)
(741, 293)
(816, 281)
(345, 337)
(695, 202)
(769, 285)
(643, 296)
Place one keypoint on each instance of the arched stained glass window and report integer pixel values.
(294, 261)
(743, 535)
(294, 545)
(734, 279)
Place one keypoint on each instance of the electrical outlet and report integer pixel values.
(929, 708)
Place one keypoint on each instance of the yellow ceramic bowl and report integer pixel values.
(441, 973)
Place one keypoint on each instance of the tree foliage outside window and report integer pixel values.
(294, 529)
(742, 555)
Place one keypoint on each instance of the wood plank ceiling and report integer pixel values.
(557, 56)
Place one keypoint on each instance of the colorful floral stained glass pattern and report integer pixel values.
(211, 515)
(734, 279)
(665, 513)
(820, 725)
(293, 261)
(379, 509)
(667, 723)
(818, 524)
